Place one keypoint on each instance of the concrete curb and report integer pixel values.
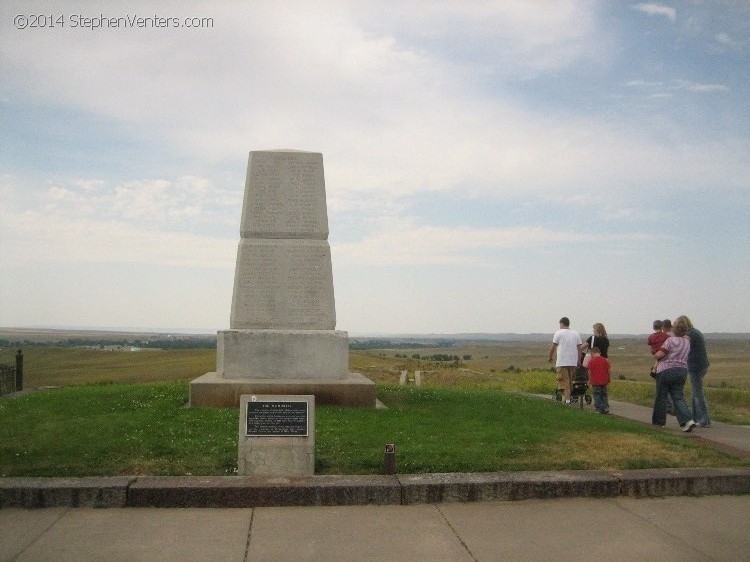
(239, 491)
(404, 489)
(438, 488)
(65, 492)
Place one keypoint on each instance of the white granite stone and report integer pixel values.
(283, 284)
(285, 196)
(282, 354)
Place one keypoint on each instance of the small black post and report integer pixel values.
(390, 458)
(19, 371)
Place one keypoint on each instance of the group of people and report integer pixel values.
(680, 354)
(573, 353)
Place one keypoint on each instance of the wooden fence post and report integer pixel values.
(19, 371)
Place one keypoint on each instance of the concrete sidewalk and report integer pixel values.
(667, 529)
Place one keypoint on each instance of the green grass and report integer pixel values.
(123, 429)
(110, 419)
(114, 429)
(506, 366)
(463, 430)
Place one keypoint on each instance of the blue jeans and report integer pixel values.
(601, 402)
(671, 382)
(700, 408)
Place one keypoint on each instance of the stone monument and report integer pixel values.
(282, 337)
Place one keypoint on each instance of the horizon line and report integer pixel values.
(208, 332)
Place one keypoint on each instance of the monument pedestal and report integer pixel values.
(213, 391)
(269, 354)
(282, 362)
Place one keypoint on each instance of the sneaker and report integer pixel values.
(688, 427)
(702, 425)
(605, 411)
(567, 401)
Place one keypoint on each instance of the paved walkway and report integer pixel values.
(676, 528)
(683, 529)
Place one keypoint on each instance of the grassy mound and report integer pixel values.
(114, 429)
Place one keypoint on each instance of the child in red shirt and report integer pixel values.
(599, 375)
(658, 337)
(662, 331)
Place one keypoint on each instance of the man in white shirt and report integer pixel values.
(567, 344)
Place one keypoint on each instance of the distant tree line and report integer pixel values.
(440, 357)
(435, 357)
(162, 343)
(178, 343)
(389, 344)
(25, 343)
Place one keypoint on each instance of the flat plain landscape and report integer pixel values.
(117, 408)
(630, 358)
(522, 365)
(515, 363)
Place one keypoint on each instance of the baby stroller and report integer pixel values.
(579, 390)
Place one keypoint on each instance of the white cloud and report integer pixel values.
(725, 39)
(41, 238)
(729, 41)
(389, 116)
(154, 202)
(145, 221)
(510, 37)
(676, 85)
(656, 10)
(341, 86)
(401, 241)
(163, 200)
(632, 214)
(700, 88)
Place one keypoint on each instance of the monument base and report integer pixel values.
(282, 354)
(213, 391)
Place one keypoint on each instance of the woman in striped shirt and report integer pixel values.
(671, 374)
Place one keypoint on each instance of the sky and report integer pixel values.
(490, 166)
